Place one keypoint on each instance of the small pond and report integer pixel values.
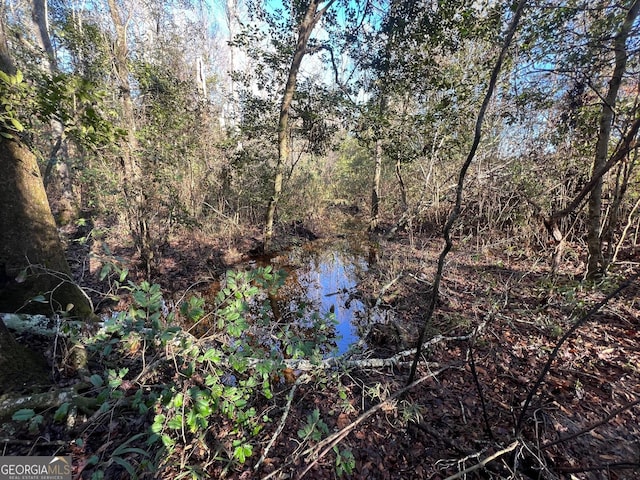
(323, 277)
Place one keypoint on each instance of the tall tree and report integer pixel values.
(133, 187)
(579, 68)
(412, 66)
(40, 19)
(32, 261)
(312, 16)
(596, 262)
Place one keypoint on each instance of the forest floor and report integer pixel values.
(582, 422)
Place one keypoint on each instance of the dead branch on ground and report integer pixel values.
(323, 447)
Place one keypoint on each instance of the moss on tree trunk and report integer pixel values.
(20, 368)
(29, 241)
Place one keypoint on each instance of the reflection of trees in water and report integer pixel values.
(321, 284)
(326, 280)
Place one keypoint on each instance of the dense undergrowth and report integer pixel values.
(187, 385)
(195, 401)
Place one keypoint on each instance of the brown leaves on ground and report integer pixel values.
(440, 427)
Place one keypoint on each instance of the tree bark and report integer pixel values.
(132, 181)
(41, 22)
(68, 206)
(29, 240)
(403, 188)
(594, 243)
(374, 221)
(311, 18)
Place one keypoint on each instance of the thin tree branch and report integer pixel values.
(476, 380)
(455, 212)
(593, 426)
(484, 462)
(554, 353)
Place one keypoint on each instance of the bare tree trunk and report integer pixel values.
(374, 221)
(231, 9)
(403, 188)
(623, 176)
(311, 18)
(132, 181)
(39, 15)
(595, 264)
(67, 208)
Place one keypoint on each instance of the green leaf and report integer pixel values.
(158, 423)
(175, 423)
(35, 423)
(213, 355)
(96, 380)
(123, 274)
(39, 299)
(104, 271)
(17, 125)
(61, 412)
(167, 441)
(124, 448)
(241, 452)
(23, 415)
(126, 465)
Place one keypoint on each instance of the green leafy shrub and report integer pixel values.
(203, 395)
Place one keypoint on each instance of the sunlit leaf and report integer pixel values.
(39, 299)
(175, 423)
(17, 125)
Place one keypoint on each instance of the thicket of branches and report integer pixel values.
(385, 87)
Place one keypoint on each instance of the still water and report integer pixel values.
(324, 279)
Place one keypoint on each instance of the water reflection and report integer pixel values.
(329, 284)
(324, 279)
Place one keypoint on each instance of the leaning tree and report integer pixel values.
(32, 261)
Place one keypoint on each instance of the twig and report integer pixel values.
(484, 462)
(283, 420)
(474, 374)
(593, 426)
(554, 353)
(328, 443)
(384, 289)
